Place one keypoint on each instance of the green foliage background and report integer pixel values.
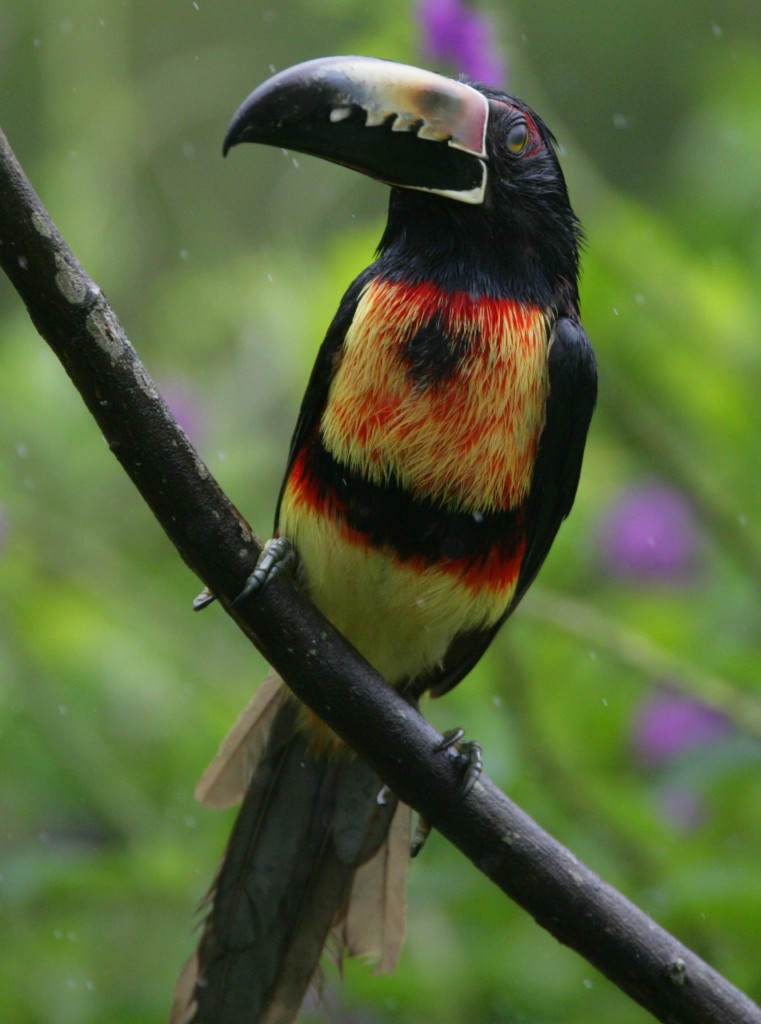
(113, 696)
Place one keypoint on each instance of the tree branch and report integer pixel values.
(564, 896)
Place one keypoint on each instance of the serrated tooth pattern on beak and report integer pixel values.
(339, 114)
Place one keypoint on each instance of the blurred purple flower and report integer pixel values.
(668, 724)
(650, 533)
(682, 807)
(455, 33)
(185, 406)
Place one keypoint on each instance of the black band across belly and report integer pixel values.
(388, 515)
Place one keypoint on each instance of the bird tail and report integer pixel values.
(318, 857)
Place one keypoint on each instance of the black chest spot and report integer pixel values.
(435, 351)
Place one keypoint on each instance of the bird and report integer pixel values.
(437, 450)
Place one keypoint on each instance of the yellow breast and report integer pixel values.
(469, 441)
(466, 439)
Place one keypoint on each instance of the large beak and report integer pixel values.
(405, 126)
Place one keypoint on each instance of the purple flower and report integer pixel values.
(668, 724)
(683, 808)
(186, 408)
(650, 533)
(455, 33)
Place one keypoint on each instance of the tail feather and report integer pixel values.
(374, 923)
(226, 780)
(309, 855)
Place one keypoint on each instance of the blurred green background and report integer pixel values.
(619, 707)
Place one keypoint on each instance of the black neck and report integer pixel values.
(466, 248)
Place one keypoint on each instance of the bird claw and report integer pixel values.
(278, 555)
(203, 600)
(422, 831)
(470, 757)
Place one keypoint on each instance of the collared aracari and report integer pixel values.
(437, 451)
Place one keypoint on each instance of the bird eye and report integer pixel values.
(517, 138)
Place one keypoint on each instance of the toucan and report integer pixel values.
(437, 451)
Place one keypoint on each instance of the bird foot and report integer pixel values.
(278, 555)
(470, 757)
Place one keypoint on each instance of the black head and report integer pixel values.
(523, 238)
(478, 197)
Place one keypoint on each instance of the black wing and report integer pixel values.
(572, 372)
(323, 371)
(570, 404)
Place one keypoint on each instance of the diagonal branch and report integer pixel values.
(564, 896)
